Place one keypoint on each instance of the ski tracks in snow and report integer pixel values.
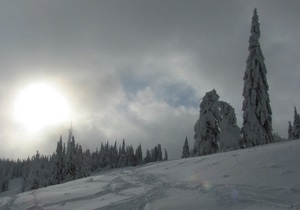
(137, 189)
(127, 189)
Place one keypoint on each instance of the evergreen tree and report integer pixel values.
(36, 173)
(122, 155)
(87, 163)
(159, 153)
(102, 156)
(95, 160)
(230, 137)
(166, 155)
(257, 119)
(207, 128)
(130, 157)
(216, 128)
(59, 167)
(79, 162)
(296, 125)
(290, 131)
(106, 155)
(26, 185)
(114, 156)
(4, 175)
(71, 164)
(139, 155)
(148, 157)
(154, 153)
(185, 149)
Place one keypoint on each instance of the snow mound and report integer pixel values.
(265, 177)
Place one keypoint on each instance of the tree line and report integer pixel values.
(70, 162)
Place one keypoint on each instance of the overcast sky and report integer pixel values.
(136, 69)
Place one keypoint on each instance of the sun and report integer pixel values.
(39, 106)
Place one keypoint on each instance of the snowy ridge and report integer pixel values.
(265, 177)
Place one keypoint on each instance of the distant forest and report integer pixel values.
(69, 162)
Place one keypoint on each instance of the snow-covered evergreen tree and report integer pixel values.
(113, 156)
(290, 131)
(229, 132)
(159, 153)
(122, 155)
(207, 128)
(87, 163)
(148, 157)
(139, 155)
(216, 127)
(166, 155)
(185, 149)
(79, 162)
(95, 160)
(296, 125)
(154, 153)
(25, 175)
(130, 157)
(4, 175)
(102, 156)
(33, 178)
(59, 165)
(257, 117)
(36, 172)
(106, 155)
(71, 160)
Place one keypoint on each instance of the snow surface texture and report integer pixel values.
(265, 177)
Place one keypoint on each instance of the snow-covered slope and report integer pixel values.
(266, 177)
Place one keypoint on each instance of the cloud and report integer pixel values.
(137, 69)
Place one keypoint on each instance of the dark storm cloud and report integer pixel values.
(136, 69)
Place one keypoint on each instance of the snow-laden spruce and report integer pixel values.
(216, 128)
(257, 117)
(185, 149)
(229, 131)
(290, 131)
(296, 125)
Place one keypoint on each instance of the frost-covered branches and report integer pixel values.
(216, 128)
(257, 119)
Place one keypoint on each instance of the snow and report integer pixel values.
(257, 117)
(265, 177)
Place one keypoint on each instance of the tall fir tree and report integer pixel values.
(185, 149)
(159, 153)
(154, 154)
(139, 155)
(59, 165)
(296, 125)
(166, 155)
(71, 161)
(130, 157)
(290, 131)
(148, 157)
(114, 156)
(257, 117)
(122, 155)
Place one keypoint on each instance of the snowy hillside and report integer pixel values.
(266, 177)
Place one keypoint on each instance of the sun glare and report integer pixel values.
(40, 105)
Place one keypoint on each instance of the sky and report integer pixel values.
(137, 69)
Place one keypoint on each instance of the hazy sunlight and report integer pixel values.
(40, 105)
